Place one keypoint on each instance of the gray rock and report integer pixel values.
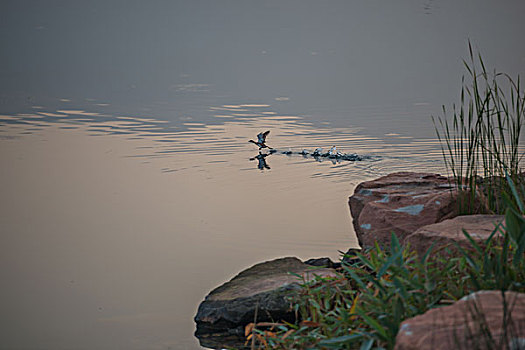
(321, 262)
(263, 287)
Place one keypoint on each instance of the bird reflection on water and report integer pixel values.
(261, 158)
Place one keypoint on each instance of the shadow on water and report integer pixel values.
(261, 161)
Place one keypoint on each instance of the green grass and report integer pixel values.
(364, 306)
(483, 139)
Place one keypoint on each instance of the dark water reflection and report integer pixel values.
(127, 186)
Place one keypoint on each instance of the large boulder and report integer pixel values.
(482, 320)
(261, 289)
(447, 232)
(400, 203)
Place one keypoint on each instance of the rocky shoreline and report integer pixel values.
(259, 293)
(419, 207)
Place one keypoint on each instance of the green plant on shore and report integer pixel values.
(498, 263)
(364, 306)
(484, 139)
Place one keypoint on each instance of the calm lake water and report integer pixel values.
(127, 189)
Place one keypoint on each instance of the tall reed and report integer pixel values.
(484, 139)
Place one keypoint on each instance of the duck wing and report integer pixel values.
(262, 136)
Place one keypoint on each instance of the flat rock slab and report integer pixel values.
(467, 323)
(264, 287)
(445, 233)
(400, 203)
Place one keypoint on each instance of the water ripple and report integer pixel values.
(226, 142)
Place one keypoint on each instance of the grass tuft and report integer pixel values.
(482, 142)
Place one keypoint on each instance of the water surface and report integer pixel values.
(128, 192)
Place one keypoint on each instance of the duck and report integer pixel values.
(261, 140)
(334, 153)
(317, 152)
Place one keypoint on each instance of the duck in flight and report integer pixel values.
(261, 140)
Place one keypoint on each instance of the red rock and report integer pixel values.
(445, 233)
(467, 324)
(401, 203)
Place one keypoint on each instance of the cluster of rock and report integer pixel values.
(402, 203)
(421, 209)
